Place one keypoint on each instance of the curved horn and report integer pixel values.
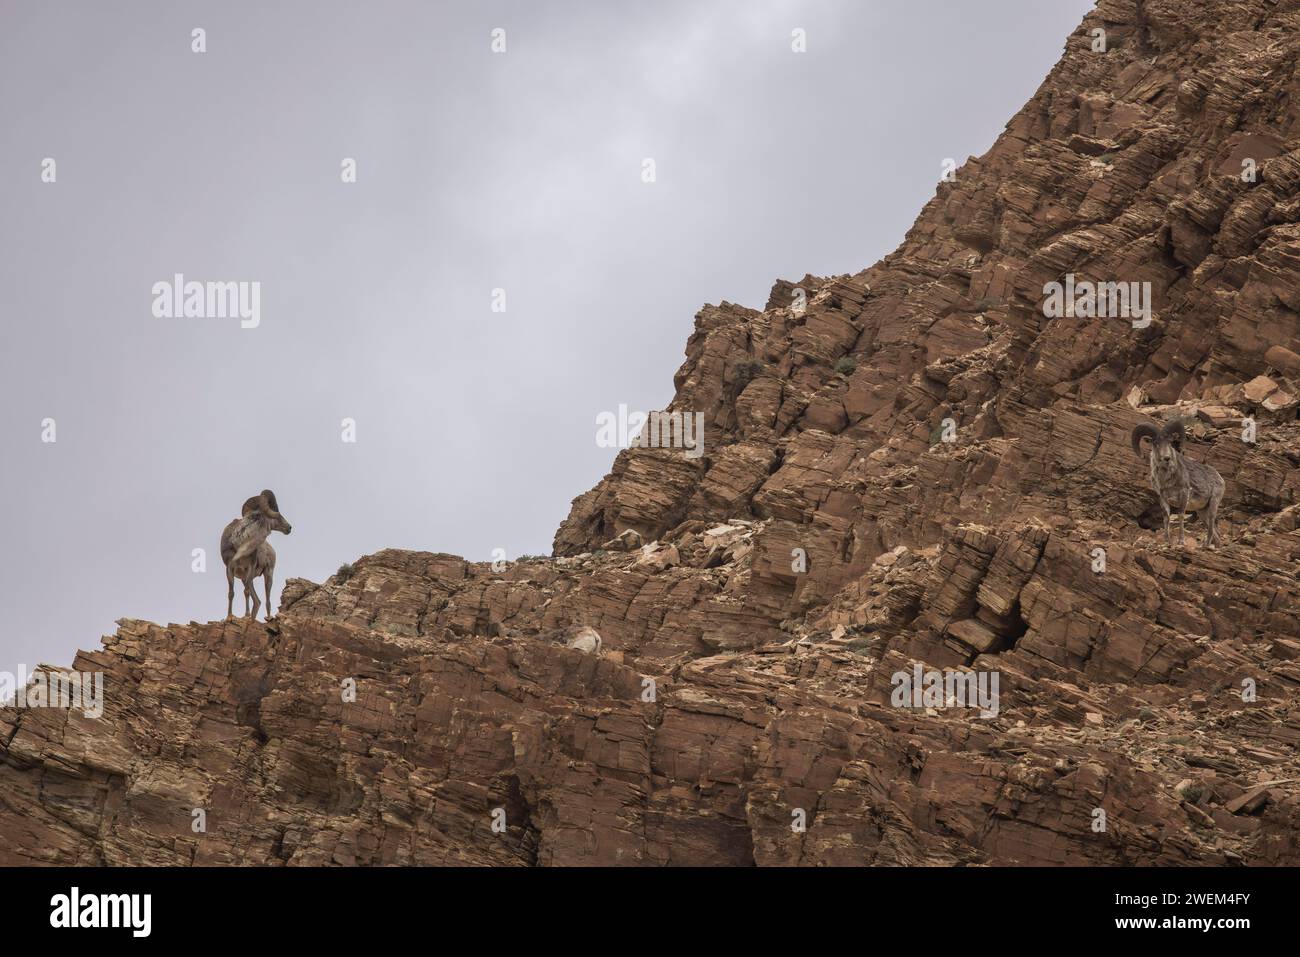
(1175, 431)
(1143, 431)
(270, 499)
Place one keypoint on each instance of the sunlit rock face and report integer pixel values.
(909, 603)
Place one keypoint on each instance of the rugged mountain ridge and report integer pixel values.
(741, 692)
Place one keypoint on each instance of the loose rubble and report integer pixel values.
(961, 496)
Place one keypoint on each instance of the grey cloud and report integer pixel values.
(475, 171)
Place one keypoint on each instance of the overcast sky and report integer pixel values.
(476, 171)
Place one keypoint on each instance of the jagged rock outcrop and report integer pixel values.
(910, 465)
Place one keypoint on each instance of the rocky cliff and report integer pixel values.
(911, 465)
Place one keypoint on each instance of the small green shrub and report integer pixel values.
(936, 435)
(846, 365)
(345, 572)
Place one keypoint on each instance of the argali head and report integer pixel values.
(1166, 443)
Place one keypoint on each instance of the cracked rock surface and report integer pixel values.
(960, 494)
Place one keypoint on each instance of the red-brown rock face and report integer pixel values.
(912, 466)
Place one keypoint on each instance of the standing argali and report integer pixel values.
(1179, 482)
(248, 554)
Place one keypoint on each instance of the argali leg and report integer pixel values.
(266, 581)
(230, 593)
